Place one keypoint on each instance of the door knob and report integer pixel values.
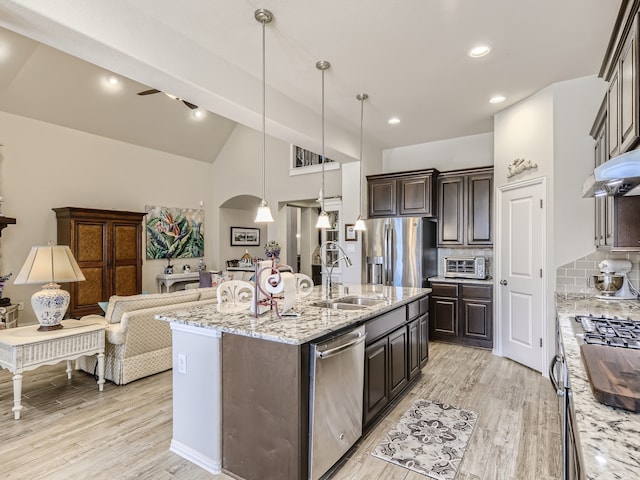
(503, 282)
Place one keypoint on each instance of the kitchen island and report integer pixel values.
(241, 384)
(608, 438)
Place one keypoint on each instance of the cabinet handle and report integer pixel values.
(503, 282)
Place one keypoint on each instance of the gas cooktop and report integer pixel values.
(614, 332)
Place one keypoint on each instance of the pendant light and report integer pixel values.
(264, 212)
(323, 218)
(360, 226)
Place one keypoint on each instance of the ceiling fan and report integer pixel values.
(153, 90)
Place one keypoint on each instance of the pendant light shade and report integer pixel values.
(264, 212)
(360, 226)
(323, 218)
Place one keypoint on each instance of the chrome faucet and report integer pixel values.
(345, 257)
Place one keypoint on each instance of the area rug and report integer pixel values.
(429, 439)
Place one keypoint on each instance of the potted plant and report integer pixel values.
(272, 249)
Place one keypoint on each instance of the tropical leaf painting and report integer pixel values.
(174, 232)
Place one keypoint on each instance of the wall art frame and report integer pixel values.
(245, 237)
(350, 233)
(174, 232)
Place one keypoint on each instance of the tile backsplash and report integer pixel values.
(572, 277)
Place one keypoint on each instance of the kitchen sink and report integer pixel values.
(335, 305)
(365, 301)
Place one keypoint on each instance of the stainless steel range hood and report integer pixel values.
(619, 176)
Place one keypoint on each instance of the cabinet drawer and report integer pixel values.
(444, 289)
(477, 291)
(424, 305)
(413, 310)
(385, 323)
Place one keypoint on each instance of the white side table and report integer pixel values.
(24, 348)
(170, 279)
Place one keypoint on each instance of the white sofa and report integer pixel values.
(137, 345)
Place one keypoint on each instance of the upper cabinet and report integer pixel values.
(465, 208)
(402, 194)
(604, 205)
(616, 130)
(620, 70)
(628, 90)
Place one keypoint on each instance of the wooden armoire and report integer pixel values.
(107, 244)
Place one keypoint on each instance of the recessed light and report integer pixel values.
(479, 51)
(112, 79)
(393, 121)
(497, 99)
(198, 113)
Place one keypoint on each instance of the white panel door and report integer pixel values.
(521, 283)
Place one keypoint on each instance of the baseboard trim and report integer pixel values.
(211, 465)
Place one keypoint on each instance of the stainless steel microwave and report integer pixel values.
(465, 267)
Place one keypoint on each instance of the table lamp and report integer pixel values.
(50, 264)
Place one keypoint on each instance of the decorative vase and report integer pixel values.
(50, 304)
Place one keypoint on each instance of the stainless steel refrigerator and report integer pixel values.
(400, 251)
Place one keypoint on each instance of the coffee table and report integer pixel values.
(24, 348)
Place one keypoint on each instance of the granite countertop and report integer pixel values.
(609, 437)
(313, 322)
(486, 281)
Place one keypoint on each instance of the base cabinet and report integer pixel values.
(462, 313)
(396, 352)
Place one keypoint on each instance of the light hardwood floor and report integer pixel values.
(70, 430)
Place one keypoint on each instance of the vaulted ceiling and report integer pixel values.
(410, 57)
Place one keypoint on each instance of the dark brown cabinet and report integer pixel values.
(462, 313)
(622, 94)
(396, 351)
(402, 194)
(604, 206)
(376, 392)
(465, 208)
(418, 330)
(107, 245)
(398, 348)
(476, 314)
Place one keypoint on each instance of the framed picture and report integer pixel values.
(350, 234)
(244, 236)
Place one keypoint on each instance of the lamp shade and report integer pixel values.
(49, 264)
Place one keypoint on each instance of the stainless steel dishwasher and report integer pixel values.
(335, 403)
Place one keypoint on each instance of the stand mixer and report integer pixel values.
(613, 283)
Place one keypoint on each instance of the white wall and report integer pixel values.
(350, 211)
(551, 128)
(576, 104)
(237, 171)
(235, 217)
(450, 154)
(46, 166)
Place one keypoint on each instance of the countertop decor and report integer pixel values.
(609, 437)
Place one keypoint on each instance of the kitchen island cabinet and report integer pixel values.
(263, 368)
(608, 438)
